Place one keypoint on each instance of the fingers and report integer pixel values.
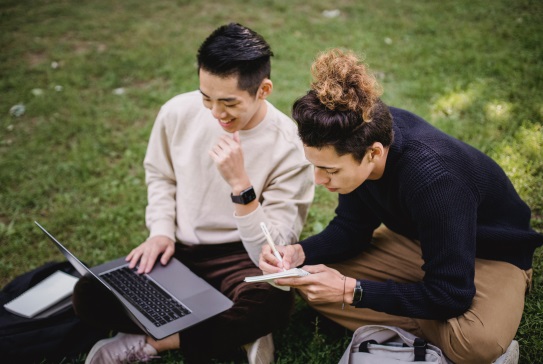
(235, 136)
(228, 157)
(147, 261)
(288, 258)
(225, 147)
(313, 269)
(268, 263)
(166, 256)
(291, 256)
(324, 284)
(146, 254)
(133, 257)
(292, 282)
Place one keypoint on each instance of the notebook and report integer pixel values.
(170, 299)
(46, 297)
(291, 273)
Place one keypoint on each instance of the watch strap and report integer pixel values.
(357, 293)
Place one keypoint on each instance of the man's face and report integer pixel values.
(342, 174)
(233, 108)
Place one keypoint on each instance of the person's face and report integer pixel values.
(342, 174)
(233, 108)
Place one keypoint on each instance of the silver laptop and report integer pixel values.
(178, 297)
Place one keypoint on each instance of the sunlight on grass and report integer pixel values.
(453, 104)
(499, 111)
(520, 157)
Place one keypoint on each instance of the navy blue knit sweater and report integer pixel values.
(452, 198)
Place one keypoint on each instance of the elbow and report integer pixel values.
(453, 307)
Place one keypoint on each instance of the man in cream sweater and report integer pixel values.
(220, 160)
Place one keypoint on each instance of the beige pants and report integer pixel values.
(480, 335)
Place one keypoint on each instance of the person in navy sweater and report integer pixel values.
(429, 233)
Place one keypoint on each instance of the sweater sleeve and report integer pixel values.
(445, 212)
(161, 182)
(347, 234)
(284, 206)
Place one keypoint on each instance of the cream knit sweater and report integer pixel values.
(189, 201)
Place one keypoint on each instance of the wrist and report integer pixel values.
(242, 200)
(350, 285)
(239, 186)
(299, 253)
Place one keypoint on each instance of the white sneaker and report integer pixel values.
(510, 356)
(122, 348)
(261, 351)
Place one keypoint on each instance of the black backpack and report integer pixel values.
(60, 337)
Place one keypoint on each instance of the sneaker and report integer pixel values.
(260, 351)
(510, 356)
(122, 348)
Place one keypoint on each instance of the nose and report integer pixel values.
(320, 177)
(217, 111)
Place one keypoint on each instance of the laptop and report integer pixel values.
(178, 297)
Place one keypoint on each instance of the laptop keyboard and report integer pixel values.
(151, 300)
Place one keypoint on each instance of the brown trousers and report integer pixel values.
(480, 335)
(258, 309)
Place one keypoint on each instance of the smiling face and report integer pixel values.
(233, 108)
(343, 174)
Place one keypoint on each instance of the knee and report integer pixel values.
(89, 297)
(475, 345)
(82, 295)
(263, 299)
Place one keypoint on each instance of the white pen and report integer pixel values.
(270, 242)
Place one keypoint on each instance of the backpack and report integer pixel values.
(60, 336)
(381, 344)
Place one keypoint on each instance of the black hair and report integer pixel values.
(235, 50)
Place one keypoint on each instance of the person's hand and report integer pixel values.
(228, 157)
(148, 251)
(292, 255)
(324, 284)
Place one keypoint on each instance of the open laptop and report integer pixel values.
(189, 299)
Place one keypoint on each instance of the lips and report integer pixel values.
(225, 124)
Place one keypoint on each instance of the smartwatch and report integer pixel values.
(357, 293)
(244, 197)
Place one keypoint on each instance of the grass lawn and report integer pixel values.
(92, 75)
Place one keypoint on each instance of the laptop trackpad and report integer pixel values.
(178, 279)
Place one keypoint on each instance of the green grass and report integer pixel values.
(73, 160)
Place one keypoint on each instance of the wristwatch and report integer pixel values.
(245, 196)
(357, 293)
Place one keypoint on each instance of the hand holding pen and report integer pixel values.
(271, 243)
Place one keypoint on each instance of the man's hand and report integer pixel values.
(292, 255)
(228, 157)
(324, 284)
(148, 251)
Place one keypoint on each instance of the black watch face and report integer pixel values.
(248, 196)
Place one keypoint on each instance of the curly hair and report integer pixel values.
(343, 108)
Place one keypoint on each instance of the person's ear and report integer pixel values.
(265, 89)
(376, 151)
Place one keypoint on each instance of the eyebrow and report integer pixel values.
(226, 99)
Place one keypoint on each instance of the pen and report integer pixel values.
(270, 242)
